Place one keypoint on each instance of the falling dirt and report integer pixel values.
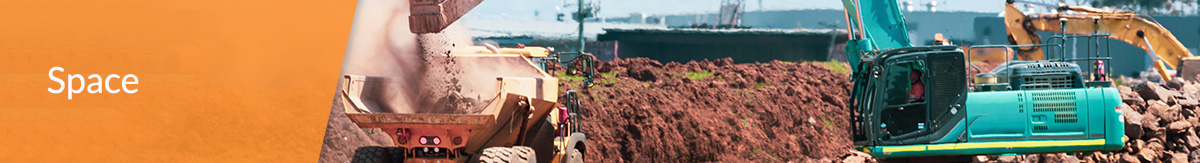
(643, 111)
(382, 46)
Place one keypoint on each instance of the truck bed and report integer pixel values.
(398, 120)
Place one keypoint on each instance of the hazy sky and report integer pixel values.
(545, 9)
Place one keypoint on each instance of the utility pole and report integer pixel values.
(580, 15)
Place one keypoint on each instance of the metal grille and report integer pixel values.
(1062, 103)
(1053, 106)
(1065, 118)
(1048, 65)
(1048, 82)
(950, 72)
(1068, 96)
(1041, 127)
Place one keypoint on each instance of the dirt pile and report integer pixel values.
(641, 110)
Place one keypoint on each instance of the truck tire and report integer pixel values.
(372, 154)
(518, 154)
(525, 154)
(575, 156)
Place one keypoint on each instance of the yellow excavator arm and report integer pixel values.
(1121, 25)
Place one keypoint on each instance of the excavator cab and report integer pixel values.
(914, 89)
(905, 110)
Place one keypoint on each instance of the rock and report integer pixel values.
(1179, 157)
(1101, 157)
(857, 157)
(1068, 158)
(1127, 158)
(1171, 115)
(1187, 101)
(1140, 144)
(1149, 154)
(1192, 140)
(1190, 89)
(1155, 106)
(1150, 125)
(1194, 155)
(1053, 157)
(980, 158)
(1133, 123)
(1153, 91)
(1175, 84)
(1007, 159)
(1033, 158)
(1179, 126)
(1128, 96)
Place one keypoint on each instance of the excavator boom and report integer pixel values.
(1120, 25)
(873, 25)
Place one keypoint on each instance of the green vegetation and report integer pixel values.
(698, 75)
(567, 77)
(609, 75)
(760, 85)
(835, 66)
(827, 123)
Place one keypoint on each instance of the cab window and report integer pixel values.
(905, 111)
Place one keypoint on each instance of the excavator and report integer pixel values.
(919, 101)
(1138, 30)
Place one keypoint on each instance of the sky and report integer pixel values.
(546, 9)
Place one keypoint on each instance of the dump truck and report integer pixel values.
(913, 101)
(523, 122)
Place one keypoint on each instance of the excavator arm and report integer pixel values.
(1121, 25)
(873, 25)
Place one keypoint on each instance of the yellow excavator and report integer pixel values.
(1138, 30)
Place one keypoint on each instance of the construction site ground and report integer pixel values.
(640, 110)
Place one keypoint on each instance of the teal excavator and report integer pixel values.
(917, 101)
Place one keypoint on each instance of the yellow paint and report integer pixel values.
(903, 149)
(1023, 144)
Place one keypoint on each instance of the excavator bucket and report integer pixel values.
(431, 16)
(1189, 69)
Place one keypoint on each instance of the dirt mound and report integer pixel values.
(641, 110)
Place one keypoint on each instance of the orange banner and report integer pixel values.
(217, 80)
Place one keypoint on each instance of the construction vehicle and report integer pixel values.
(916, 101)
(1126, 26)
(522, 123)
